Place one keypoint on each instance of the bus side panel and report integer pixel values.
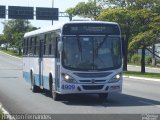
(31, 63)
(48, 68)
(26, 72)
(35, 67)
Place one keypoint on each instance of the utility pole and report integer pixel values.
(95, 10)
(52, 7)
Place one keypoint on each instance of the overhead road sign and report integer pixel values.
(2, 11)
(46, 13)
(17, 12)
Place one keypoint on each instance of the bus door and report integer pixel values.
(57, 67)
(40, 61)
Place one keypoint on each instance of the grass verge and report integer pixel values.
(2, 116)
(139, 74)
(11, 52)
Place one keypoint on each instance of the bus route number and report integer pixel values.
(68, 87)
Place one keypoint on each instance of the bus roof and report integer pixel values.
(60, 26)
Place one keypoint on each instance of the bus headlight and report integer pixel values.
(116, 78)
(68, 78)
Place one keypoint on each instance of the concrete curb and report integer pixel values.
(142, 78)
(6, 113)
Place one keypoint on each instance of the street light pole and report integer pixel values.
(95, 3)
(52, 7)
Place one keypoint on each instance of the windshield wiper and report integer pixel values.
(102, 42)
(79, 46)
(99, 46)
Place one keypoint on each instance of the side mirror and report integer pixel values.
(60, 46)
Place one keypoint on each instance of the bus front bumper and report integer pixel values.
(69, 88)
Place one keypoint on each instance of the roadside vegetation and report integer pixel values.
(13, 33)
(139, 21)
(136, 60)
(11, 52)
(1, 115)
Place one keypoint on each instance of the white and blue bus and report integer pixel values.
(74, 58)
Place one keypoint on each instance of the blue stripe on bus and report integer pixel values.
(26, 76)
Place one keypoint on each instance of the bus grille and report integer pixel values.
(92, 87)
(93, 75)
(91, 81)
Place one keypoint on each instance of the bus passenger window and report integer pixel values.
(35, 42)
(50, 49)
(37, 45)
(53, 44)
(27, 46)
(23, 46)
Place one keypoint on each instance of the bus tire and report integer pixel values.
(103, 96)
(33, 86)
(56, 96)
(50, 84)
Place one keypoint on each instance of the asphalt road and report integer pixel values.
(138, 97)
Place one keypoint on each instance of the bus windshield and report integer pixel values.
(91, 52)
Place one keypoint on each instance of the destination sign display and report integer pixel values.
(93, 29)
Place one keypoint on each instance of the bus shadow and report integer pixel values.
(113, 100)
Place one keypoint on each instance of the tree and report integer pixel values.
(14, 31)
(145, 32)
(2, 39)
(141, 16)
(124, 18)
(87, 10)
(142, 40)
(131, 4)
(137, 18)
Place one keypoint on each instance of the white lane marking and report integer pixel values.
(10, 55)
(5, 112)
(148, 103)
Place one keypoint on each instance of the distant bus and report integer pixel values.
(74, 58)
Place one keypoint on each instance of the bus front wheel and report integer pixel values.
(56, 96)
(33, 86)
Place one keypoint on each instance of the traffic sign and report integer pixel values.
(2, 11)
(46, 13)
(17, 12)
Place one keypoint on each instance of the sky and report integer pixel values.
(61, 4)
